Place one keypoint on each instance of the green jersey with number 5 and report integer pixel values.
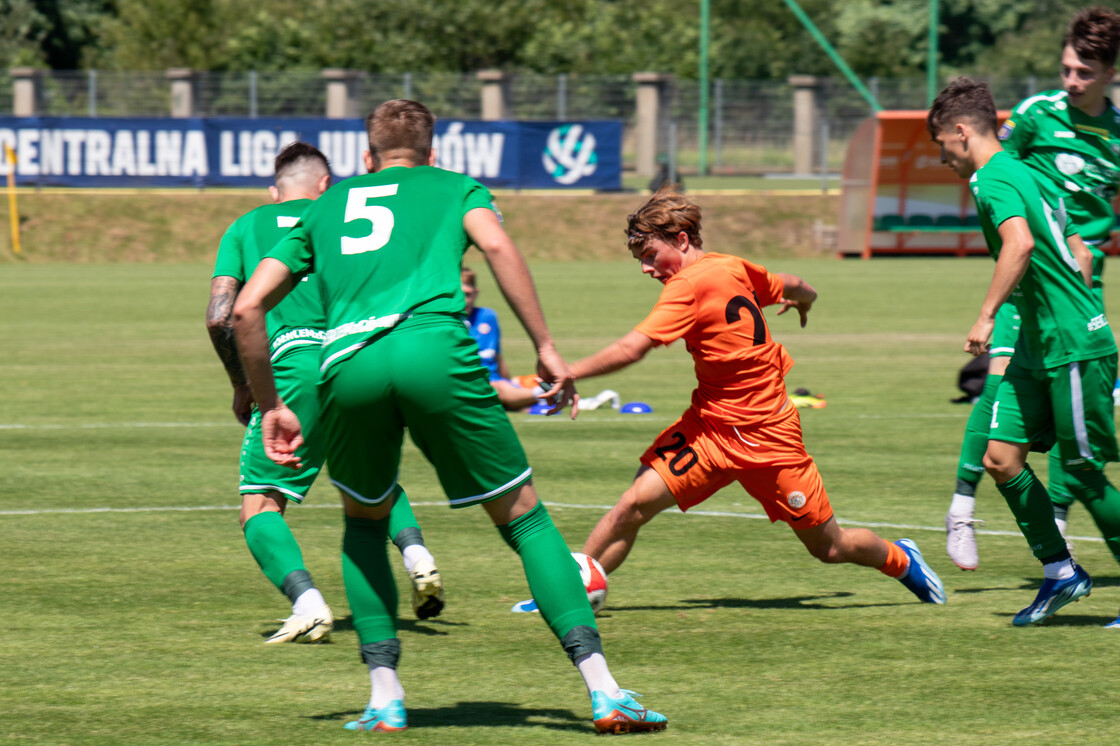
(384, 246)
(1061, 319)
(1076, 157)
(298, 319)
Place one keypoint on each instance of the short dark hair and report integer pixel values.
(401, 126)
(664, 215)
(964, 99)
(297, 154)
(1094, 34)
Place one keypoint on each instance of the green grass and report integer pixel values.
(130, 621)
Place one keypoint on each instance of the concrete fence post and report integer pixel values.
(184, 92)
(496, 100)
(27, 91)
(806, 122)
(652, 88)
(343, 93)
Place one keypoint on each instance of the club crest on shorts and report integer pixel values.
(796, 499)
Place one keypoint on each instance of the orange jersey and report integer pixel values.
(714, 304)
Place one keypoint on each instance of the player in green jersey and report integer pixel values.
(295, 329)
(385, 249)
(1070, 139)
(1057, 389)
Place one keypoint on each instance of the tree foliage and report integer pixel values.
(758, 39)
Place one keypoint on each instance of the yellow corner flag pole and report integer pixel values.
(13, 208)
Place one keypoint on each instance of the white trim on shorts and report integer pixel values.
(1077, 406)
(365, 500)
(255, 489)
(497, 491)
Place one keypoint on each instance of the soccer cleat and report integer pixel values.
(305, 628)
(1114, 624)
(427, 590)
(1053, 595)
(920, 577)
(389, 718)
(960, 540)
(624, 715)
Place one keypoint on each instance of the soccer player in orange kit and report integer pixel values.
(741, 425)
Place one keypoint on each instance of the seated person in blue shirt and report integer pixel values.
(514, 393)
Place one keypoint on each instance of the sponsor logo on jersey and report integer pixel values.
(1097, 322)
(796, 500)
(1065, 134)
(569, 154)
(1069, 163)
(1006, 130)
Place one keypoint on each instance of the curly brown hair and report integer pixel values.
(664, 215)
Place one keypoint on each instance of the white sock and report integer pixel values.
(413, 553)
(593, 668)
(1059, 570)
(962, 505)
(309, 603)
(384, 686)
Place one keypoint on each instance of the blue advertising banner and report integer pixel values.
(234, 152)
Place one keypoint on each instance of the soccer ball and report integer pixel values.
(594, 580)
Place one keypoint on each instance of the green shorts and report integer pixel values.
(1006, 332)
(425, 375)
(297, 378)
(1069, 406)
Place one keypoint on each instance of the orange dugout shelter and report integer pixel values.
(898, 198)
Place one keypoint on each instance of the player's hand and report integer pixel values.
(552, 368)
(242, 403)
(801, 306)
(977, 342)
(282, 434)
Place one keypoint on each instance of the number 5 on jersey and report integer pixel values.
(380, 217)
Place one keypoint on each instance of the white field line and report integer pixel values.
(572, 506)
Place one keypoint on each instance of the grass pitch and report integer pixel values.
(135, 614)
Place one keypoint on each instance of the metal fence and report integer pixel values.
(751, 121)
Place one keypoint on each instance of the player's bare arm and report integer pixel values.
(280, 428)
(1014, 258)
(513, 278)
(223, 292)
(625, 351)
(796, 293)
(1083, 256)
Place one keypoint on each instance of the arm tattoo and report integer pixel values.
(219, 315)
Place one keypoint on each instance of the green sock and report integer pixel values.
(970, 466)
(1030, 503)
(370, 587)
(404, 530)
(552, 573)
(273, 547)
(1102, 500)
(1061, 485)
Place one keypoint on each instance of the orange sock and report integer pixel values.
(898, 562)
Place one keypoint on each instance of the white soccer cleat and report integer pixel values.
(315, 628)
(960, 540)
(427, 589)
(594, 402)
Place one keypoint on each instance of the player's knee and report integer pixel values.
(1000, 466)
(826, 552)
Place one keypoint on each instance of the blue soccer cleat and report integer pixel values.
(389, 718)
(526, 606)
(1114, 624)
(1053, 595)
(624, 715)
(920, 577)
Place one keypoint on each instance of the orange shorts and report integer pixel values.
(698, 457)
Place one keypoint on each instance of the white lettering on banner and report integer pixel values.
(264, 152)
(51, 151)
(227, 167)
(169, 148)
(144, 164)
(195, 162)
(344, 151)
(98, 145)
(477, 154)
(250, 153)
(74, 140)
(27, 152)
(124, 154)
